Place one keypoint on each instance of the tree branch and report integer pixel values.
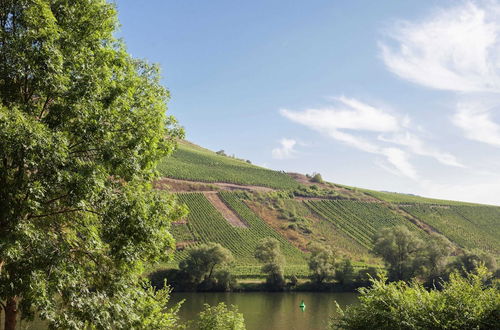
(45, 104)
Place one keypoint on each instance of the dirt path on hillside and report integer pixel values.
(226, 212)
(177, 185)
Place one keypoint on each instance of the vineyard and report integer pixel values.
(206, 224)
(190, 162)
(398, 198)
(359, 220)
(348, 222)
(468, 226)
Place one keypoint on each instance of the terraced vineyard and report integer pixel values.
(349, 226)
(398, 198)
(206, 224)
(191, 162)
(359, 220)
(468, 226)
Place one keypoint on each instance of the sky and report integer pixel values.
(397, 96)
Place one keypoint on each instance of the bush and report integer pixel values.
(316, 177)
(463, 303)
(220, 317)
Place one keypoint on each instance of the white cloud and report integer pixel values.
(455, 49)
(351, 114)
(474, 119)
(418, 147)
(354, 116)
(285, 150)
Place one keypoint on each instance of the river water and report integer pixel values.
(261, 310)
(271, 310)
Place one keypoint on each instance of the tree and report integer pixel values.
(344, 272)
(220, 317)
(463, 303)
(82, 127)
(268, 252)
(321, 263)
(401, 251)
(470, 260)
(437, 249)
(203, 259)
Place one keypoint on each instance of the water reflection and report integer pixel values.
(268, 310)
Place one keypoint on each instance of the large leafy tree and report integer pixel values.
(202, 261)
(82, 125)
(321, 263)
(402, 252)
(268, 252)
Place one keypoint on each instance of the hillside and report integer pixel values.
(235, 203)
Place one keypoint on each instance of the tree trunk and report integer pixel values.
(11, 313)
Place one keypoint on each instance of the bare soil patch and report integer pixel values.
(177, 185)
(226, 212)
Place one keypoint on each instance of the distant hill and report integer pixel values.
(235, 203)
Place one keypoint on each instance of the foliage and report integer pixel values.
(344, 272)
(470, 260)
(364, 275)
(437, 250)
(220, 317)
(268, 252)
(191, 162)
(82, 126)
(203, 260)
(401, 251)
(316, 177)
(463, 303)
(321, 262)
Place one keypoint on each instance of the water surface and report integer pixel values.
(270, 310)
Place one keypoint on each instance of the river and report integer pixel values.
(261, 310)
(268, 310)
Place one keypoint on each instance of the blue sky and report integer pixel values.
(390, 95)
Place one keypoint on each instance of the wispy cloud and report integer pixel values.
(285, 150)
(349, 122)
(456, 49)
(474, 118)
(417, 146)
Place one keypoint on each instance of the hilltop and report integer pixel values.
(236, 203)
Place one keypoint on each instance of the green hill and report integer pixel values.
(297, 212)
(194, 163)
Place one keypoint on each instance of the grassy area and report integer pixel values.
(191, 162)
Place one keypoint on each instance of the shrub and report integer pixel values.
(316, 177)
(220, 317)
(463, 303)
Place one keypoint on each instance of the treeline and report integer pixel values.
(406, 257)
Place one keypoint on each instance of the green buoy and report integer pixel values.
(302, 306)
